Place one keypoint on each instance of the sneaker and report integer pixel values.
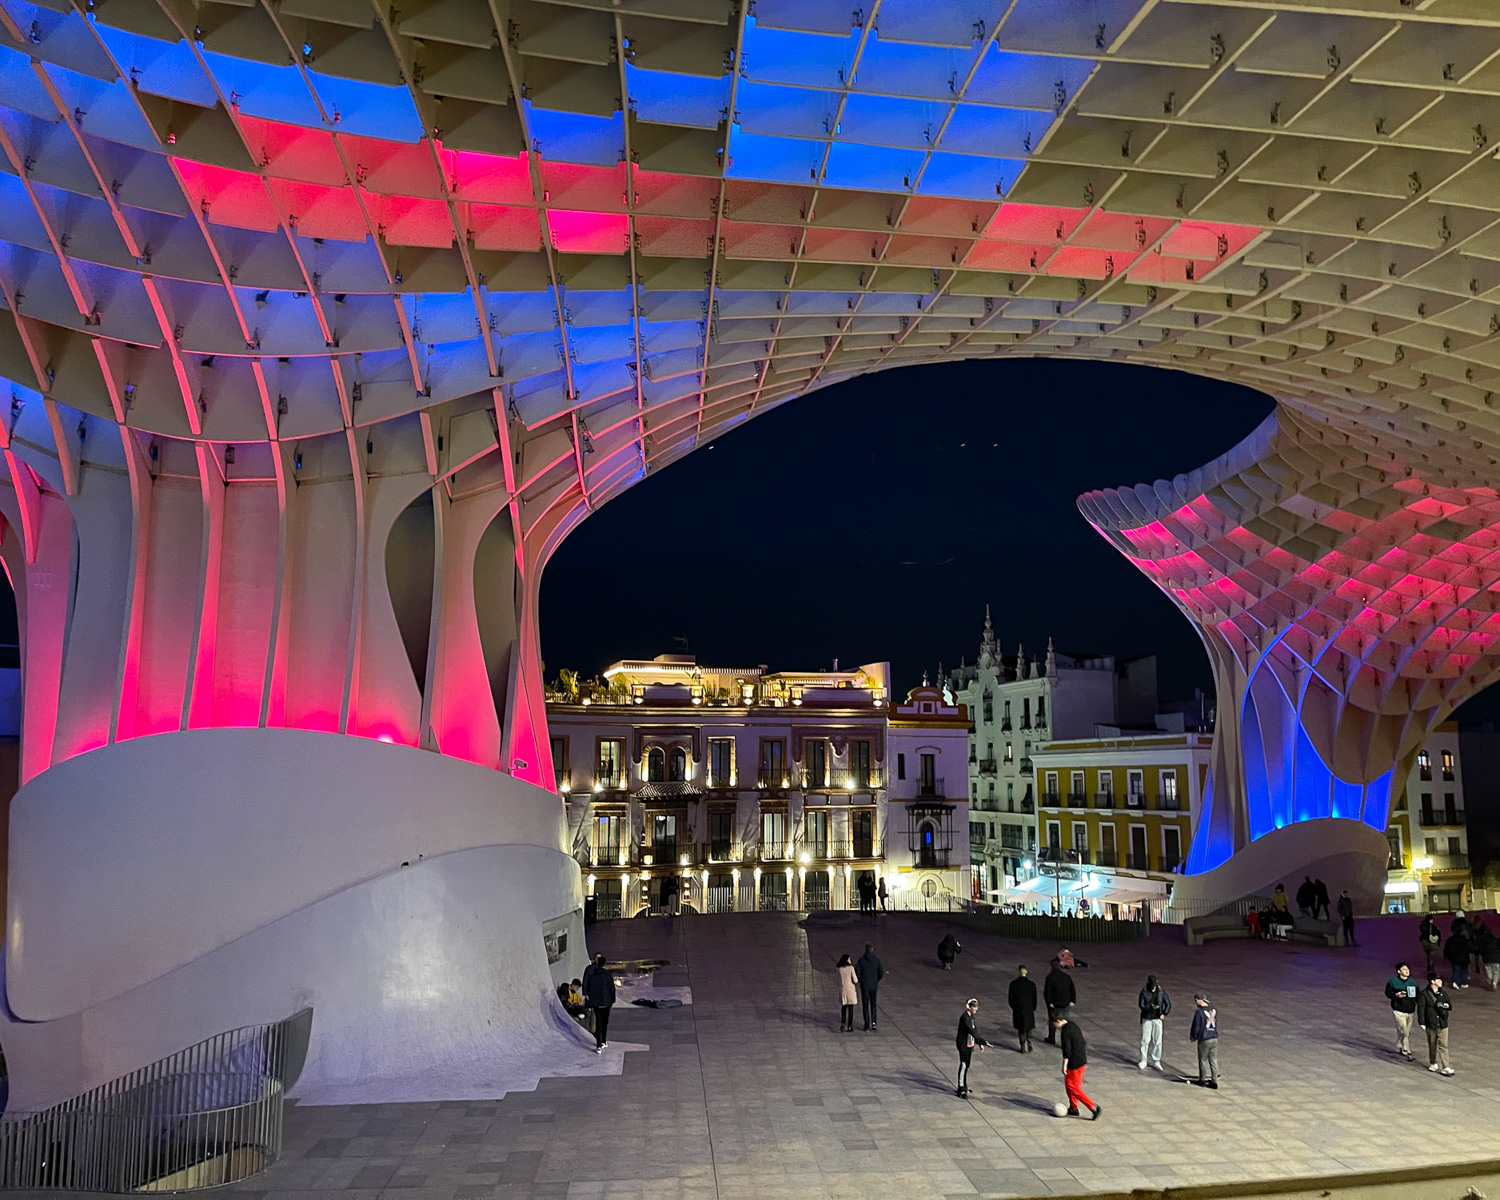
(1098, 1108)
(1157, 1065)
(1214, 1083)
(1446, 1071)
(1072, 1112)
(1141, 1066)
(1433, 1067)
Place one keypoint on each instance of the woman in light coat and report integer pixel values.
(848, 995)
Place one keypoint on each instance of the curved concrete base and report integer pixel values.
(169, 888)
(1342, 853)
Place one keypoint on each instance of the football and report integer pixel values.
(1060, 1110)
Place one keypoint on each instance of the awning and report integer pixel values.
(675, 790)
(1097, 887)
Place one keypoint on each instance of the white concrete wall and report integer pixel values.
(165, 889)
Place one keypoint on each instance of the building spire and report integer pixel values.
(989, 651)
(1051, 660)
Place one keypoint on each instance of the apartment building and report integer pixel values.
(1427, 832)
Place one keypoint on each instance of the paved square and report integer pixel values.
(751, 1091)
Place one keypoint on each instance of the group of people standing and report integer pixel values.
(1469, 946)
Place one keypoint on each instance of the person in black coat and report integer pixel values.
(1456, 951)
(599, 995)
(869, 972)
(968, 1040)
(948, 950)
(1060, 994)
(1023, 1008)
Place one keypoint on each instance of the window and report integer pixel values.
(974, 792)
(1448, 766)
(989, 707)
(1010, 753)
(664, 838)
(1005, 720)
(1107, 846)
(1171, 847)
(1169, 790)
(720, 762)
(1135, 788)
(862, 828)
(859, 763)
(900, 766)
(1393, 840)
(1443, 899)
(927, 785)
(815, 833)
(1010, 837)
(1424, 765)
(677, 765)
(1054, 835)
(1075, 786)
(1031, 837)
(656, 765)
(1041, 711)
(1106, 783)
(611, 771)
(773, 834)
(607, 831)
(1051, 792)
(720, 835)
(1455, 846)
(1026, 713)
(561, 776)
(1431, 846)
(991, 794)
(773, 763)
(1081, 840)
(815, 760)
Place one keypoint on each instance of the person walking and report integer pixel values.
(948, 950)
(1479, 937)
(1489, 954)
(1320, 898)
(968, 1041)
(1346, 916)
(1456, 951)
(1155, 1004)
(1431, 938)
(599, 996)
(1307, 896)
(848, 994)
(1022, 999)
(1075, 1060)
(883, 894)
(869, 972)
(1059, 993)
(1433, 1009)
(1401, 991)
(1205, 1032)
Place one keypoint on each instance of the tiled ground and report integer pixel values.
(752, 1092)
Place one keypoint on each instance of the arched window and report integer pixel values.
(927, 844)
(656, 765)
(678, 761)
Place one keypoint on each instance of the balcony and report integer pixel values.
(1168, 803)
(1135, 800)
(1078, 800)
(988, 766)
(775, 778)
(1005, 725)
(843, 779)
(933, 859)
(562, 779)
(1442, 816)
(1104, 799)
(931, 789)
(1138, 862)
(1051, 800)
(1026, 766)
(607, 779)
(721, 782)
(1028, 805)
(1106, 858)
(1444, 862)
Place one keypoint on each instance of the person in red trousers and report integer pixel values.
(1075, 1055)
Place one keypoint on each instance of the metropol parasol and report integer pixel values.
(327, 320)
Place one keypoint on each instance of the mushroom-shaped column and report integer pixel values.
(1343, 590)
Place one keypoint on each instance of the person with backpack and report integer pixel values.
(1060, 994)
(1205, 1032)
(1401, 991)
(948, 950)
(1155, 1004)
(1433, 1010)
(968, 1041)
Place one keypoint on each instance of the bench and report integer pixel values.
(1198, 930)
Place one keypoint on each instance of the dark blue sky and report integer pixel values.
(874, 520)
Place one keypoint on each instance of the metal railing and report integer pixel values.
(987, 766)
(1051, 800)
(1077, 800)
(1104, 799)
(1168, 803)
(1026, 767)
(1442, 816)
(931, 788)
(203, 1117)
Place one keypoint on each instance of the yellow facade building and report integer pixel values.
(1116, 814)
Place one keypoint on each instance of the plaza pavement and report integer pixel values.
(750, 1092)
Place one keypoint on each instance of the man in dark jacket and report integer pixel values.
(1059, 993)
(1205, 1032)
(1075, 1057)
(1431, 938)
(869, 972)
(599, 995)
(948, 950)
(1401, 991)
(1433, 1008)
(1346, 915)
(968, 1040)
(1489, 954)
(1456, 951)
(1307, 896)
(1155, 1005)
(1022, 999)
(1320, 898)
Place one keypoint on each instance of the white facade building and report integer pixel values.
(927, 814)
(1428, 834)
(1017, 704)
